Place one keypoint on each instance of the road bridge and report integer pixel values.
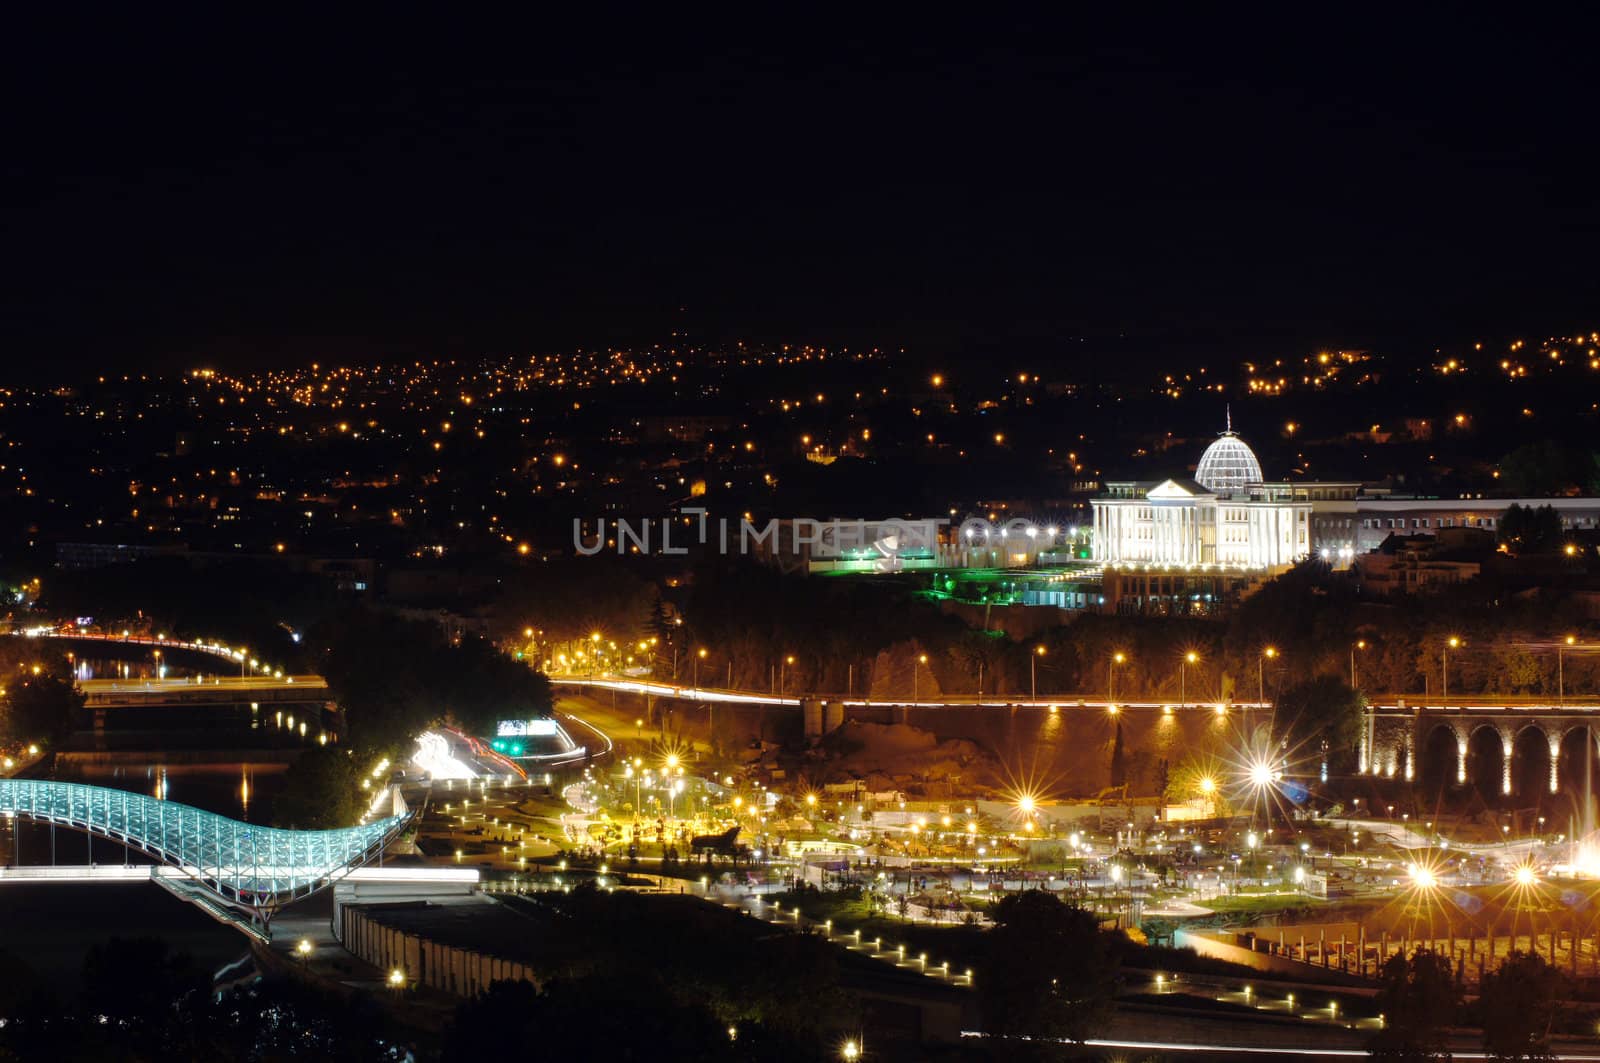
(1510, 744)
(723, 695)
(127, 693)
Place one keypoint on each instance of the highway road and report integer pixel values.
(996, 701)
(1381, 702)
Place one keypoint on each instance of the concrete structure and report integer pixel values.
(1379, 518)
(1491, 741)
(1414, 564)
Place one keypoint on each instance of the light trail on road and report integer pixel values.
(1266, 1050)
(744, 697)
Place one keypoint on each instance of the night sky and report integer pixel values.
(182, 192)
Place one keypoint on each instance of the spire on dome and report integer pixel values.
(1228, 407)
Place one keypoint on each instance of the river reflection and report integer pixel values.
(242, 791)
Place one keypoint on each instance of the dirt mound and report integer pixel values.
(908, 757)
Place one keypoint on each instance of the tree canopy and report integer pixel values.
(1046, 970)
(321, 791)
(1417, 997)
(1531, 529)
(1517, 1005)
(39, 708)
(393, 677)
(1324, 709)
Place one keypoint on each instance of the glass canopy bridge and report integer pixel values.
(240, 873)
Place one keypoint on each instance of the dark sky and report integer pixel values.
(183, 191)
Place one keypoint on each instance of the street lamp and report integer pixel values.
(1561, 671)
(916, 673)
(1116, 658)
(850, 1052)
(1183, 676)
(787, 661)
(397, 979)
(304, 951)
(1267, 654)
(1359, 644)
(1451, 643)
(699, 655)
(1033, 675)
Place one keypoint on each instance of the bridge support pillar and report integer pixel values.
(1461, 758)
(1365, 750)
(1555, 761)
(1507, 747)
(1411, 755)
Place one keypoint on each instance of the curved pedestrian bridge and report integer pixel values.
(251, 870)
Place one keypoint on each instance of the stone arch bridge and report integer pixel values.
(1512, 746)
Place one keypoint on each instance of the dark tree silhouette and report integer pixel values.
(1418, 999)
(39, 708)
(1531, 529)
(1324, 709)
(1046, 970)
(321, 790)
(1119, 765)
(1517, 1006)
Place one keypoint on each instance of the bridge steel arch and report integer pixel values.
(252, 870)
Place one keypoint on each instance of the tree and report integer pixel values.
(1324, 709)
(1119, 765)
(579, 1019)
(1046, 970)
(321, 790)
(1417, 998)
(1518, 1005)
(1547, 467)
(40, 708)
(1519, 670)
(1531, 529)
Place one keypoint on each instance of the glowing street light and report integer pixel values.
(1116, 658)
(916, 673)
(1183, 676)
(1359, 644)
(1561, 671)
(1033, 673)
(1270, 653)
(850, 1052)
(1525, 875)
(1451, 643)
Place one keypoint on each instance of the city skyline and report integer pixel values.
(798, 535)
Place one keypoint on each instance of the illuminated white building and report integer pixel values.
(1226, 516)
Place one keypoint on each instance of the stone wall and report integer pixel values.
(462, 972)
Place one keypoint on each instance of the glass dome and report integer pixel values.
(1227, 465)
